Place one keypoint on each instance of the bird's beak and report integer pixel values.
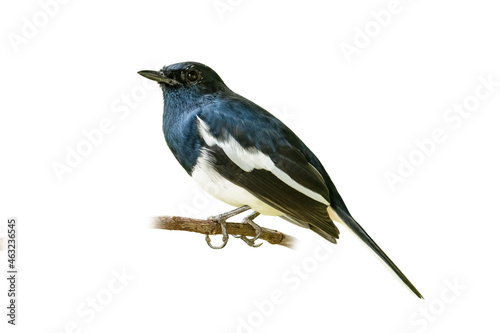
(158, 77)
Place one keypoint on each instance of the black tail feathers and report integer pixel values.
(363, 235)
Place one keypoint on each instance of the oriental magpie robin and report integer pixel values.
(241, 154)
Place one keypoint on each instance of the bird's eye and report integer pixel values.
(192, 76)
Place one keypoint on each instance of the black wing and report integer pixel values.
(269, 136)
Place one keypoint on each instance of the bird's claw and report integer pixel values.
(221, 219)
(225, 236)
(250, 241)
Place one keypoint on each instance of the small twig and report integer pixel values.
(213, 228)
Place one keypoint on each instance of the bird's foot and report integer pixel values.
(221, 219)
(225, 236)
(258, 230)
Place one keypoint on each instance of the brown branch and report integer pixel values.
(213, 228)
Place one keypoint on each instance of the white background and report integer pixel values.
(440, 225)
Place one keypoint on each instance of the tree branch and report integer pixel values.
(213, 228)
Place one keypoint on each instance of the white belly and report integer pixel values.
(219, 187)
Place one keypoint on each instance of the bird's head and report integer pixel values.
(190, 77)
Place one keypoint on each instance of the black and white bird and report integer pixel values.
(244, 156)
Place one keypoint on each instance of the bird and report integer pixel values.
(244, 156)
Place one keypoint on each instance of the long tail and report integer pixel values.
(361, 233)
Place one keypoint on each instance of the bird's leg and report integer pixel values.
(231, 213)
(221, 219)
(258, 230)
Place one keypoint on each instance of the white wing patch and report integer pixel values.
(250, 159)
